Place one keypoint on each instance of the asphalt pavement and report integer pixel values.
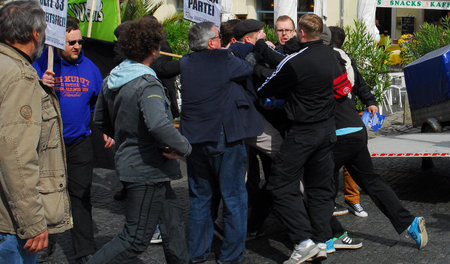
(423, 192)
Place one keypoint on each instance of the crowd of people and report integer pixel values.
(245, 101)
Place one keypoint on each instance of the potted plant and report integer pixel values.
(372, 60)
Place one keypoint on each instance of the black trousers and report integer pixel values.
(146, 206)
(79, 169)
(259, 199)
(351, 151)
(308, 149)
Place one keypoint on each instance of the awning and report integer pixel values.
(321, 9)
(227, 10)
(366, 13)
(439, 5)
(285, 7)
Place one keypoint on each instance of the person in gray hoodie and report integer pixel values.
(132, 108)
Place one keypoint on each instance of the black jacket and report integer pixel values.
(306, 80)
(213, 98)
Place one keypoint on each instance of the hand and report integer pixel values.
(108, 141)
(261, 35)
(170, 155)
(270, 44)
(37, 243)
(48, 78)
(372, 109)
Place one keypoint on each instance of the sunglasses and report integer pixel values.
(72, 42)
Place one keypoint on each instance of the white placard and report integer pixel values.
(56, 18)
(203, 11)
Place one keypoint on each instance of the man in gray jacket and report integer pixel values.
(33, 179)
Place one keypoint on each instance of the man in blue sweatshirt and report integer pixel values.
(77, 82)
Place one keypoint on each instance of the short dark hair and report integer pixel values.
(226, 30)
(312, 25)
(337, 37)
(285, 18)
(18, 20)
(72, 24)
(141, 38)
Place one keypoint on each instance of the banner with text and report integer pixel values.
(56, 18)
(440, 5)
(105, 17)
(203, 11)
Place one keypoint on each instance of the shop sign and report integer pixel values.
(441, 5)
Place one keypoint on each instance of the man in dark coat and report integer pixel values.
(216, 116)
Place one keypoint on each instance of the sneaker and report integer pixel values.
(339, 210)
(302, 252)
(357, 209)
(418, 232)
(156, 238)
(346, 242)
(322, 255)
(330, 246)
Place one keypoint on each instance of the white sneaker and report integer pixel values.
(357, 209)
(303, 251)
(156, 238)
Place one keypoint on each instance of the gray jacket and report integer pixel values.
(132, 108)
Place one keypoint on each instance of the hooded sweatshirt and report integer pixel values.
(133, 108)
(77, 86)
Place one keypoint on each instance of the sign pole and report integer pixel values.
(118, 12)
(50, 58)
(91, 16)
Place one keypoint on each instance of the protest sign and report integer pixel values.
(105, 17)
(203, 11)
(56, 18)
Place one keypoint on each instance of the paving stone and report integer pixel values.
(424, 192)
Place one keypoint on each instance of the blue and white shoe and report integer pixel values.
(330, 246)
(418, 232)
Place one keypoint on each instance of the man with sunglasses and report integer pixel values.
(77, 82)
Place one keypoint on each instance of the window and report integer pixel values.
(180, 5)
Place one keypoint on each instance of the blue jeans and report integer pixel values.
(12, 252)
(217, 170)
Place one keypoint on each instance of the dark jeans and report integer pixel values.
(351, 151)
(217, 169)
(306, 148)
(79, 169)
(146, 206)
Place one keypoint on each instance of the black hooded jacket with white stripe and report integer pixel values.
(309, 80)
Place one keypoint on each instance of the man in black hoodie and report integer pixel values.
(306, 80)
(351, 151)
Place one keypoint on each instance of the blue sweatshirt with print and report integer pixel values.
(77, 86)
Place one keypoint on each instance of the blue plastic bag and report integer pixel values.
(374, 122)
